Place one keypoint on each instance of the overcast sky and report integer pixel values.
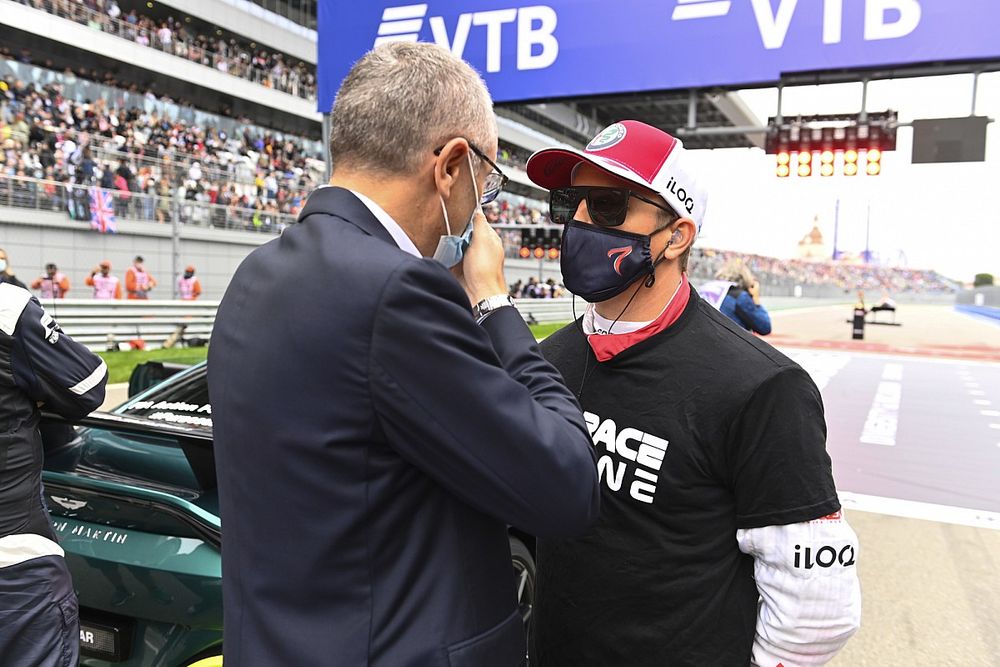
(942, 216)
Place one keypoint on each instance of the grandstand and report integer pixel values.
(138, 110)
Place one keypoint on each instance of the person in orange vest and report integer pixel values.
(106, 286)
(138, 281)
(188, 285)
(53, 285)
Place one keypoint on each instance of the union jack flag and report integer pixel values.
(102, 212)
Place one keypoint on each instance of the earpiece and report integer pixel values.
(676, 238)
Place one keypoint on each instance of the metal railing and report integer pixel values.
(100, 324)
(76, 201)
(287, 79)
(108, 152)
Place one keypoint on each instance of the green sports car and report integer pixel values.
(132, 497)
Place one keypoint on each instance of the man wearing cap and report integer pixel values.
(106, 286)
(188, 285)
(53, 285)
(721, 539)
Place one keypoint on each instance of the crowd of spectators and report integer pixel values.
(504, 211)
(146, 159)
(848, 276)
(158, 168)
(535, 289)
(174, 36)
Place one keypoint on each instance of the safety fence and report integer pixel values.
(120, 324)
(79, 202)
(117, 324)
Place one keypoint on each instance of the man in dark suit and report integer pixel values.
(379, 420)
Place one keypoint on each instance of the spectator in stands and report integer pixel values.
(162, 201)
(742, 303)
(138, 281)
(188, 285)
(106, 286)
(6, 272)
(53, 284)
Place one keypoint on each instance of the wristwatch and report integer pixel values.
(489, 304)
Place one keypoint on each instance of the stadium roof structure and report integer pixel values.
(580, 119)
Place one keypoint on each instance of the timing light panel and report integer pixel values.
(836, 133)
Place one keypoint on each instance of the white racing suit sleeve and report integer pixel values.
(807, 577)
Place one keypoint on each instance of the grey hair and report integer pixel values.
(401, 101)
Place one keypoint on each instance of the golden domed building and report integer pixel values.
(812, 247)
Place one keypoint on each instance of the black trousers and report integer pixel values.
(39, 620)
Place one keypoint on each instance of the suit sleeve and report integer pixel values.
(478, 408)
(52, 368)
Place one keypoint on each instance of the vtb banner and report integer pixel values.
(530, 49)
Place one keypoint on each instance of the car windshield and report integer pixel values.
(182, 400)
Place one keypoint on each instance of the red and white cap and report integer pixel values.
(635, 152)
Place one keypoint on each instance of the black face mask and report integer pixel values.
(188, 274)
(600, 263)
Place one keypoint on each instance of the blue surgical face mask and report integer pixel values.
(3, 264)
(451, 249)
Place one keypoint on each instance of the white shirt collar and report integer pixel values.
(594, 322)
(391, 226)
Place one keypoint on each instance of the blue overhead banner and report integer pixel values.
(528, 50)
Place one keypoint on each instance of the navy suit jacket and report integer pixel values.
(372, 444)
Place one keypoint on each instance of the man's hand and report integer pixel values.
(481, 271)
(754, 292)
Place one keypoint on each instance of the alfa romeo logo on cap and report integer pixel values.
(610, 136)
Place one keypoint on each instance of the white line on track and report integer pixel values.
(911, 509)
(867, 354)
(990, 413)
(976, 392)
(982, 401)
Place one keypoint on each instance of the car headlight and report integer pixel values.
(214, 661)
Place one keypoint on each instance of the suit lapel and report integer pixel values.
(343, 204)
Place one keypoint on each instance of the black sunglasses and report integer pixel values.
(495, 181)
(608, 207)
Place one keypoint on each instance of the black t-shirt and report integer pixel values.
(699, 430)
